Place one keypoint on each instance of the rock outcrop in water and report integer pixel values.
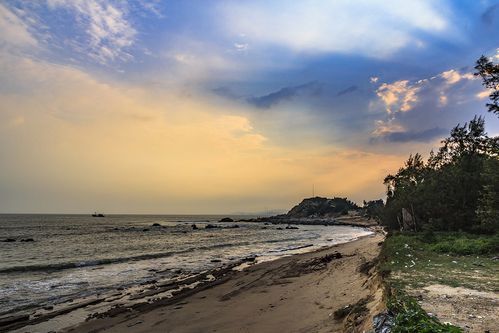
(321, 211)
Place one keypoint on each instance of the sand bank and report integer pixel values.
(299, 293)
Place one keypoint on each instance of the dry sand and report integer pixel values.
(298, 293)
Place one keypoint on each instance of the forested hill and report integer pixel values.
(318, 207)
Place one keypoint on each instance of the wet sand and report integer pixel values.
(299, 293)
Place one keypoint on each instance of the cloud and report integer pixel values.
(348, 90)
(489, 14)
(106, 24)
(283, 94)
(398, 96)
(452, 76)
(484, 94)
(70, 142)
(14, 32)
(419, 111)
(384, 128)
(409, 136)
(371, 28)
(226, 92)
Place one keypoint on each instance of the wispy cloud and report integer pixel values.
(348, 90)
(371, 28)
(14, 32)
(409, 136)
(283, 94)
(106, 24)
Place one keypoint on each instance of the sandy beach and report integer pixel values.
(299, 293)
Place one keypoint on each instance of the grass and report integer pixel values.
(411, 261)
(411, 318)
(454, 259)
(465, 244)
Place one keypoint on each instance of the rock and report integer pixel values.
(9, 240)
(48, 307)
(27, 240)
(5, 321)
(211, 226)
(383, 322)
(156, 225)
(194, 227)
(278, 228)
(136, 323)
(145, 229)
(235, 226)
(215, 260)
(291, 227)
(226, 219)
(321, 207)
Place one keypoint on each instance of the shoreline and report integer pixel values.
(145, 297)
(317, 282)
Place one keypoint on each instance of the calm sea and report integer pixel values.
(78, 255)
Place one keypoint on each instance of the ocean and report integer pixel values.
(79, 255)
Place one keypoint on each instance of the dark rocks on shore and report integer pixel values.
(145, 229)
(383, 322)
(290, 227)
(8, 240)
(194, 227)
(211, 226)
(215, 260)
(27, 240)
(5, 321)
(279, 228)
(226, 219)
(48, 307)
(235, 226)
(156, 225)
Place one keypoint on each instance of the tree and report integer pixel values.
(444, 193)
(489, 72)
(373, 208)
(488, 203)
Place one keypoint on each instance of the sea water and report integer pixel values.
(78, 255)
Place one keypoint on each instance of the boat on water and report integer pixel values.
(97, 215)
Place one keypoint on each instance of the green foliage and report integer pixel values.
(488, 203)
(450, 258)
(466, 245)
(457, 188)
(317, 206)
(373, 209)
(489, 72)
(411, 318)
(446, 190)
(418, 259)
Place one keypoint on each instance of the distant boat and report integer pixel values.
(97, 215)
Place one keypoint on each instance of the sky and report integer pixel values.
(197, 107)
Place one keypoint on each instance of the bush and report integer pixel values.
(411, 318)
